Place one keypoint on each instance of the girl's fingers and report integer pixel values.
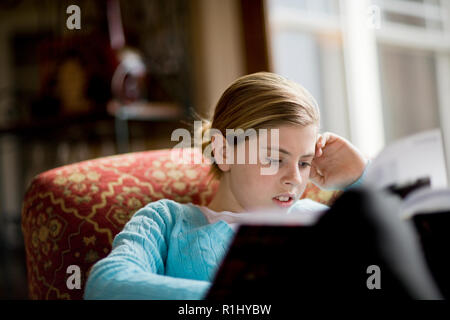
(315, 176)
(319, 146)
(322, 142)
(330, 138)
(319, 152)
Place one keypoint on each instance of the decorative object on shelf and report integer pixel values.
(131, 84)
(128, 80)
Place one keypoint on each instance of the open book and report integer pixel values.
(269, 250)
(414, 168)
(413, 159)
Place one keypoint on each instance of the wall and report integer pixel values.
(217, 48)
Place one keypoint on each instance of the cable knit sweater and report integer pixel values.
(167, 250)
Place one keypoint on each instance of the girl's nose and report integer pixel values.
(292, 176)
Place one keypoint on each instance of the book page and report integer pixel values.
(409, 159)
(296, 217)
(425, 201)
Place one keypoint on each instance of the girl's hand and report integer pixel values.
(337, 163)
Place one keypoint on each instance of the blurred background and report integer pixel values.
(136, 70)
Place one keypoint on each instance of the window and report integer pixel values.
(307, 48)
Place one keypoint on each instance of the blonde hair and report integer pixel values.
(260, 100)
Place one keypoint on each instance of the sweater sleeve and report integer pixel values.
(135, 267)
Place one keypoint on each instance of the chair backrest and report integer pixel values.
(71, 214)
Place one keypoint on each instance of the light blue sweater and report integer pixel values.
(167, 250)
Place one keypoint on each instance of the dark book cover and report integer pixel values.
(434, 234)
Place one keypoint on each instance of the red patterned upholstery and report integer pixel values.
(71, 214)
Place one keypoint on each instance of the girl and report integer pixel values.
(170, 250)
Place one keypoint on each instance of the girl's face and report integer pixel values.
(248, 189)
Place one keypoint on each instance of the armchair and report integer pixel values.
(71, 214)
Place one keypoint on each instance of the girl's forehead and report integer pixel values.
(297, 139)
(309, 131)
(284, 134)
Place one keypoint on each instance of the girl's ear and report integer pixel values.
(219, 146)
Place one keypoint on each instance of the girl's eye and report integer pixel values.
(304, 164)
(273, 160)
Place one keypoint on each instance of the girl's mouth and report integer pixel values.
(283, 202)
